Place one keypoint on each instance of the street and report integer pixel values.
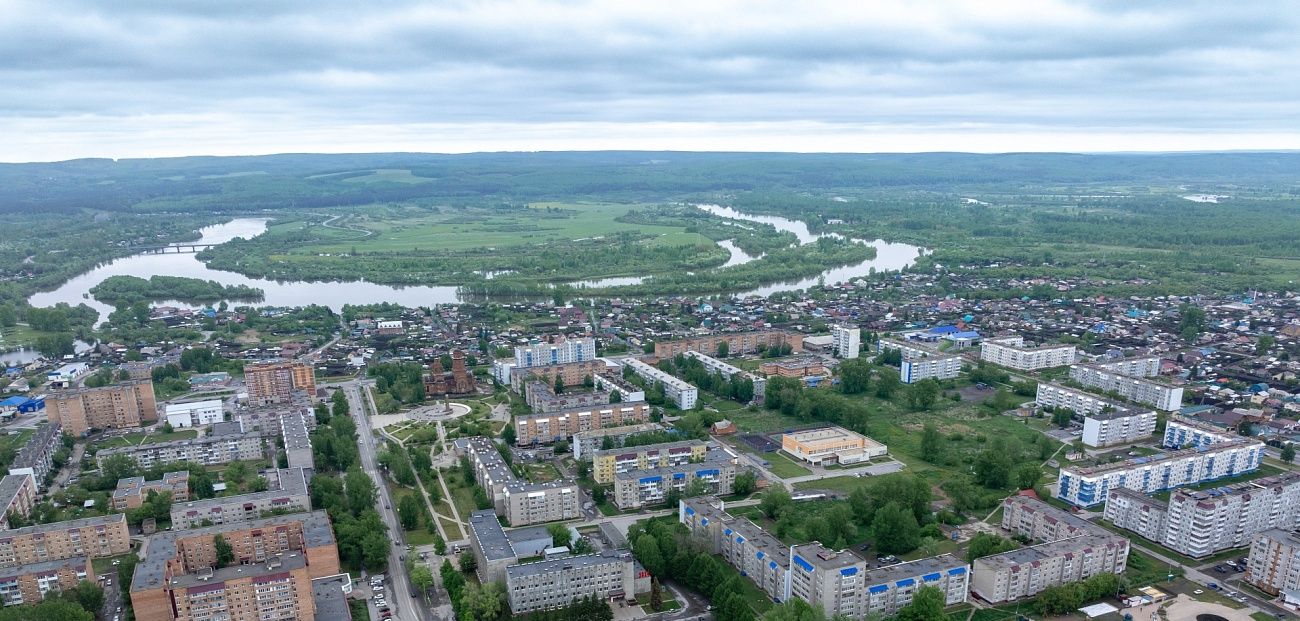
(400, 599)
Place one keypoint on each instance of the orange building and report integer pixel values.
(737, 343)
(119, 406)
(275, 382)
(29, 584)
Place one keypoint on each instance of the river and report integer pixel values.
(889, 256)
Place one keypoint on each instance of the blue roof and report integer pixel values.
(957, 572)
(690, 511)
(969, 334)
(849, 571)
(905, 582)
(798, 560)
(879, 588)
(13, 402)
(653, 479)
(944, 330)
(931, 577)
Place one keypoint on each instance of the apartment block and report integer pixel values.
(831, 445)
(521, 503)
(209, 450)
(496, 548)
(37, 456)
(1181, 431)
(920, 362)
(95, 537)
(838, 583)
(636, 489)
(120, 406)
(541, 396)
(295, 434)
(29, 584)
(730, 372)
(845, 341)
(1039, 521)
(287, 493)
(586, 443)
(547, 428)
(132, 492)
(195, 414)
(1086, 486)
(737, 343)
(275, 561)
(1148, 366)
(1011, 352)
(1274, 563)
(1148, 392)
(800, 366)
(1118, 427)
(679, 391)
(570, 374)
(1198, 523)
(616, 385)
(17, 497)
(560, 352)
(276, 381)
(557, 582)
(605, 464)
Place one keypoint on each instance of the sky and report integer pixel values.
(142, 78)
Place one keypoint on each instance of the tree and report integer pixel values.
(855, 375)
(88, 595)
(794, 609)
(1191, 321)
(8, 317)
(235, 474)
(895, 529)
(225, 553)
(774, 501)
(508, 434)
(56, 345)
(923, 394)
(985, 544)
(560, 535)
(927, 605)
(1061, 417)
(422, 577)
(724, 349)
(656, 595)
(467, 562)
(746, 482)
(360, 490)
(1028, 475)
(408, 512)
(1288, 452)
(118, 467)
(559, 384)
(886, 384)
(931, 443)
(993, 469)
(646, 550)
(582, 546)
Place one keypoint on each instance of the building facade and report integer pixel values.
(561, 352)
(1155, 394)
(1011, 352)
(209, 450)
(29, 584)
(542, 398)
(718, 367)
(287, 493)
(635, 489)
(37, 456)
(1087, 486)
(845, 341)
(557, 582)
(570, 374)
(520, 503)
(1274, 562)
(555, 426)
(606, 464)
(276, 381)
(831, 445)
(586, 443)
(1120, 426)
(95, 537)
(17, 497)
(679, 391)
(132, 492)
(195, 414)
(737, 343)
(1185, 432)
(120, 406)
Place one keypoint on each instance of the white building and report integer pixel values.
(1181, 431)
(68, 374)
(1088, 486)
(1133, 367)
(1274, 564)
(846, 341)
(1011, 352)
(1198, 523)
(1152, 393)
(730, 372)
(195, 414)
(1119, 426)
(920, 362)
(679, 391)
(561, 352)
(501, 370)
(627, 391)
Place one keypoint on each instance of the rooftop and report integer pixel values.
(568, 562)
(491, 537)
(75, 563)
(102, 520)
(651, 448)
(272, 566)
(331, 603)
(1140, 462)
(1051, 549)
(288, 482)
(713, 460)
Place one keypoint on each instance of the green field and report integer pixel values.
(783, 466)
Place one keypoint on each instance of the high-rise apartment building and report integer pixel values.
(1011, 352)
(679, 391)
(731, 372)
(845, 341)
(95, 537)
(276, 381)
(1274, 562)
(37, 456)
(17, 497)
(119, 406)
(737, 343)
(1156, 394)
(1088, 486)
(560, 425)
(560, 352)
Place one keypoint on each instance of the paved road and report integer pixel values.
(399, 594)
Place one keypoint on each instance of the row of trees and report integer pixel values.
(470, 600)
(736, 388)
(663, 548)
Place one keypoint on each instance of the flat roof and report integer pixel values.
(714, 459)
(1051, 549)
(607, 557)
(100, 520)
(76, 563)
(491, 537)
(331, 603)
(177, 408)
(647, 448)
(274, 565)
(288, 482)
(823, 433)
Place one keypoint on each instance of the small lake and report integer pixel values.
(889, 257)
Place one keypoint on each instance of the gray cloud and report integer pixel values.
(87, 78)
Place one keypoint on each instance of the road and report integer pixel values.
(400, 600)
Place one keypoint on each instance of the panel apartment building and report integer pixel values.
(555, 426)
(29, 584)
(296, 435)
(570, 373)
(275, 561)
(37, 456)
(845, 341)
(17, 497)
(606, 464)
(1011, 352)
(1181, 431)
(542, 398)
(1106, 422)
(635, 489)
(586, 443)
(95, 537)
(679, 391)
(1148, 392)
(208, 450)
(1199, 523)
(838, 583)
(132, 492)
(287, 493)
(1087, 486)
(496, 548)
(276, 381)
(1071, 550)
(920, 363)
(557, 582)
(195, 414)
(737, 343)
(563, 351)
(120, 406)
(1274, 562)
(718, 367)
(521, 503)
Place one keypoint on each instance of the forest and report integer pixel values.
(125, 290)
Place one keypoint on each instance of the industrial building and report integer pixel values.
(1087, 486)
(119, 406)
(1011, 352)
(679, 391)
(548, 428)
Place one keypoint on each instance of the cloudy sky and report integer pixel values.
(140, 78)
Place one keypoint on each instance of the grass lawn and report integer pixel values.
(420, 537)
(360, 609)
(1144, 569)
(104, 566)
(668, 605)
(762, 420)
(454, 533)
(784, 467)
(542, 472)
(608, 508)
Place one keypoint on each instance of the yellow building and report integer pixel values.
(831, 445)
(607, 463)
